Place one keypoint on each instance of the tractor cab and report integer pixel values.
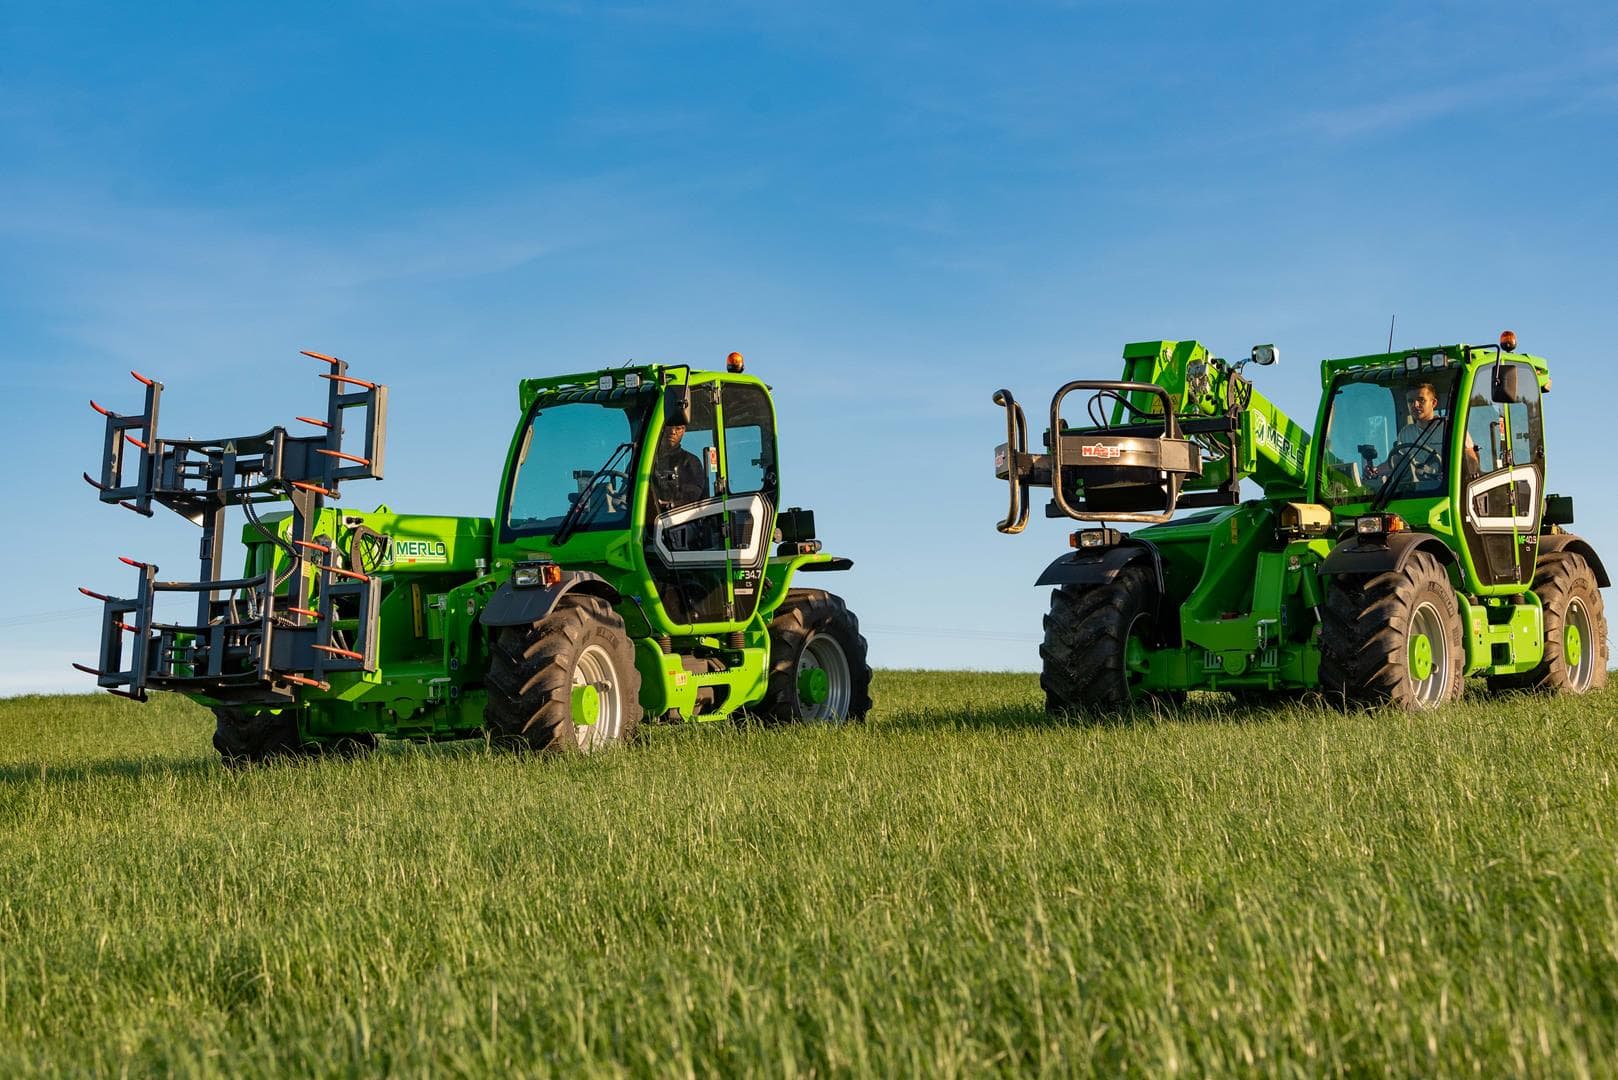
(656, 474)
(1447, 440)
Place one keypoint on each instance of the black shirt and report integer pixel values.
(678, 477)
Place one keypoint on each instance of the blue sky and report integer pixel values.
(892, 209)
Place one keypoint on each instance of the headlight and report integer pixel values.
(1378, 525)
(529, 575)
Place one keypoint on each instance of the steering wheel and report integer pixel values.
(614, 488)
(1420, 462)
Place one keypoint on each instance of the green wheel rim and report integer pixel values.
(586, 704)
(1421, 657)
(814, 686)
(1578, 658)
(1428, 656)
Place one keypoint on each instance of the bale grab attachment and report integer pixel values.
(259, 637)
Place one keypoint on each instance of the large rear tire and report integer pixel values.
(1575, 659)
(819, 672)
(1394, 638)
(1086, 652)
(567, 683)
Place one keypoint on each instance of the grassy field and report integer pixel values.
(959, 886)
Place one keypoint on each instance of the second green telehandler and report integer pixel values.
(1410, 544)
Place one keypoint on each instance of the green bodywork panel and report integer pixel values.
(437, 574)
(1241, 592)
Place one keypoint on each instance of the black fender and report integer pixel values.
(1578, 545)
(511, 606)
(1354, 557)
(1097, 567)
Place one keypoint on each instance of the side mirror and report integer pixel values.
(1503, 387)
(677, 406)
(1265, 355)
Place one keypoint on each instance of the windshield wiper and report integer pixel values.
(1385, 492)
(575, 515)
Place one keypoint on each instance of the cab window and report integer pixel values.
(749, 441)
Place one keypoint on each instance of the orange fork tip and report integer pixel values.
(143, 380)
(127, 561)
(99, 409)
(93, 595)
(332, 360)
(345, 457)
(350, 381)
(335, 651)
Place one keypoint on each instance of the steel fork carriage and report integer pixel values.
(255, 638)
(1131, 468)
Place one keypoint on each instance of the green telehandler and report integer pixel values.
(1410, 544)
(636, 566)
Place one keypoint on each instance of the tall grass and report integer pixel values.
(959, 886)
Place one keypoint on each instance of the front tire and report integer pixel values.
(566, 683)
(1394, 638)
(250, 738)
(1088, 665)
(818, 667)
(1575, 658)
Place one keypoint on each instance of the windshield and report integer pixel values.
(574, 451)
(1387, 431)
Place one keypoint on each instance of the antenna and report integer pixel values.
(1391, 321)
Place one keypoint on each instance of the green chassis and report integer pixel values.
(439, 574)
(1246, 589)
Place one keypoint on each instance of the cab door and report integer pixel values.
(751, 488)
(1503, 473)
(707, 548)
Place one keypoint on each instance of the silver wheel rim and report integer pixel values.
(1581, 674)
(595, 668)
(1434, 689)
(823, 653)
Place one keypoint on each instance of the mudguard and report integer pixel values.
(1578, 545)
(511, 606)
(1353, 557)
(1099, 567)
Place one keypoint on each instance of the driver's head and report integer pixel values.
(672, 434)
(1423, 402)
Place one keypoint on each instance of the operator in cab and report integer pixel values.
(1420, 444)
(678, 476)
